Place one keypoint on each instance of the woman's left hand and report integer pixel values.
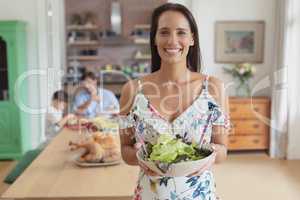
(207, 165)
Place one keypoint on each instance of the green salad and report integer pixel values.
(170, 150)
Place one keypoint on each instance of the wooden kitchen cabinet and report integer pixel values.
(249, 117)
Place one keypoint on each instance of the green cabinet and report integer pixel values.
(14, 121)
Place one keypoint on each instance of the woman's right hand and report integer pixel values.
(146, 169)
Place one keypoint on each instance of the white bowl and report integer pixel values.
(177, 169)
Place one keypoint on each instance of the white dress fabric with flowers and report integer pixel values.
(193, 125)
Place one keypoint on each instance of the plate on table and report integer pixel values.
(73, 127)
(76, 127)
(95, 164)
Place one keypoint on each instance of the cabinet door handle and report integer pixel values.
(256, 109)
(233, 109)
(232, 125)
(256, 125)
(232, 141)
(255, 141)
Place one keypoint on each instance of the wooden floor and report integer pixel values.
(256, 176)
(244, 176)
(5, 167)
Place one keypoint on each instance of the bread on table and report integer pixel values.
(99, 147)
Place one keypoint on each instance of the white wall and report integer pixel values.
(27, 11)
(39, 54)
(186, 3)
(207, 12)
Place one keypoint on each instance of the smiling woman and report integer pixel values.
(171, 23)
(175, 100)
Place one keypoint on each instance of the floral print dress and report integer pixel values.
(193, 125)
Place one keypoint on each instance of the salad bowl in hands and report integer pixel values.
(171, 157)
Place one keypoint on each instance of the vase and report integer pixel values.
(243, 89)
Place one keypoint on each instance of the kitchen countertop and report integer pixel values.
(54, 175)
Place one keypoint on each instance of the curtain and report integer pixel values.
(293, 65)
(279, 109)
(285, 117)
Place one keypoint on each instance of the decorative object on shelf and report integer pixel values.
(88, 52)
(107, 34)
(76, 19)
(141, 56)
(242, 72)
(239, 41)
(89, 19)
(71, 37)
(141, 34)
(74, 72)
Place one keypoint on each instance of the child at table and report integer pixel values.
(54, 122)
(54, 118)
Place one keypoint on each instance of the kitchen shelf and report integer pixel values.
(141, 40)
(84, 43)
(142, 26)
(84, 58)
(82, 28)
(115, 41)
(142, 57)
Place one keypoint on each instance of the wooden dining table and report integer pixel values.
(54, 175)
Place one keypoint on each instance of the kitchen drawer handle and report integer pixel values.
(255, 141)
(256, 125)
(232, 141)
(233, 109)
(256, 109)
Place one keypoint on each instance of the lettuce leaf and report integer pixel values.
(171, 150)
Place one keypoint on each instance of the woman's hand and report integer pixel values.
(207, 165)
(146, 169)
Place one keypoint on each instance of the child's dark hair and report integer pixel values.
(60, 95)
(90, 75)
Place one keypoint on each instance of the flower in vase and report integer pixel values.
(243, 72)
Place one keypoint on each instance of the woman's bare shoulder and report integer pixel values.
(130, 86)
(196, 76)
(216, 88)
(214, 80)
(149, 77)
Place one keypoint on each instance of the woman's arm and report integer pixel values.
(127, 135)
(219, 133)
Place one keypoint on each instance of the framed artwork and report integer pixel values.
(239, 41)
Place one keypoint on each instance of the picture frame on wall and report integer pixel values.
(239, 41)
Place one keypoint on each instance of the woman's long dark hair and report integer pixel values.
(194, 55)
